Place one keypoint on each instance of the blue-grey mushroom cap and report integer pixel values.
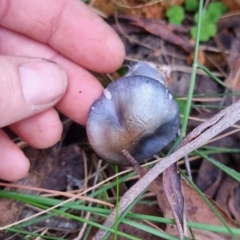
(149, 70)
(135, 113)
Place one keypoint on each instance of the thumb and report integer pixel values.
(28, 86)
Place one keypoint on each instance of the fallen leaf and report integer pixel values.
(69, 162)
(41, 164)
(209, 176)
(196, 209)
(50, 166)
(229, 20)
(201, 58)
(228, 198)
(234, 203)
(173, 190)
(232, 5)
(161, 29)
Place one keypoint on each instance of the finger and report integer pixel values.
(14, 164)
(28, 86)
(40, 131)
(82, 89)
(69, 27)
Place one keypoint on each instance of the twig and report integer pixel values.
(198, 137)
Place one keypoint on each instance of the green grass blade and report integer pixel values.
(193, 75)
(224, 168)
(209, 204)
(220, 82)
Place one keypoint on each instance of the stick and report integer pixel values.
(198, 137)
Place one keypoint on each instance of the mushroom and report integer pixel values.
(150, 70)
(136, 113)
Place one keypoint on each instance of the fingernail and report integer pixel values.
(42, 82)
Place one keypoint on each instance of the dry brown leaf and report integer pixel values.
(106, 6)
(201, 58)
(41, 164)
(49, 169)
(228, 197)
(196, 210)
(173, 190)
(209, 176)
(229, 20)
(145, 9)
(169, 3)
(161, 29)
(234, 203)
(69, 163)
(232, 5)
(155, 11)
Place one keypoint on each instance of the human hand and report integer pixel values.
(63, 31)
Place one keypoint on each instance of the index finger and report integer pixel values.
(69, 27)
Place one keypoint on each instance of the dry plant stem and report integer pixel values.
(56, 193)
(187, 165)
(137, 6)
(198, 137)
(87, 217)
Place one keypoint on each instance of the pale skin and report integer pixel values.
(63, 31)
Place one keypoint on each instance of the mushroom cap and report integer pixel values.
(150, 70)
(135, 113)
